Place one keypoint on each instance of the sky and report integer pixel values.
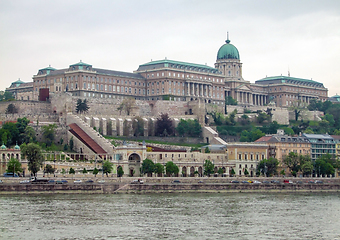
(273, 37)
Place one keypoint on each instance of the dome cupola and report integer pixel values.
(228, 51)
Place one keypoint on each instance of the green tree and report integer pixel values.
(232, 172)
(49, 169)
(71, 144)
(63, 171)
(268, 167)
(14, 165)
(220, 171)
(72, 171)
(12, 133)
(34, 157)
(11, 109)
(246, 173)
(29, 135)
(6, 96)
(307, 169)
(206, 150)
(164, 123)
(82, 106)
(148, 166)
(297, 107)
(208, 167)
(171, 168)
(84, 171)
(138, 126)
(49, 133)
(95, 172)
(159, 169)
(292, 161)
(244, 120)
(263, 117)
(120, 171)
(230, 101)
(107, 167)
(288, 131)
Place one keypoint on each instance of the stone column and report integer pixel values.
(193, 89)
(188, 89)
(201, 90)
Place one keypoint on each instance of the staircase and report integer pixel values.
(211, 136)
(88, 135)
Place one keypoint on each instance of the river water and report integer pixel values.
(171, 216)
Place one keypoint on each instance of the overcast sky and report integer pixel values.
(272, 36)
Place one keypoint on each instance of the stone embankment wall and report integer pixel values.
(165, 185)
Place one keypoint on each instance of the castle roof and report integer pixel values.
(176, 64)
(289, 80)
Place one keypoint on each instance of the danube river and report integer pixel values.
(171, 216)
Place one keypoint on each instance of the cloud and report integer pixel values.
(271, 36)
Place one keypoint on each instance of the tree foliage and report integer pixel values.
(14, 165)
(159, 168)
(127, 105)
(189, 128)
(49, 169)
(208, 167)
(6, 96)
(295, 162)
(164, 125)
(230, 101)
(138, 126)
(251, 136)
(72, 171)
(268, 167)
(82, 106)
(120, 171)
(49, 133)
(171, 168)
(34, 157)
(148, 166)
(11, 109)
(107, 167)
(95, 172)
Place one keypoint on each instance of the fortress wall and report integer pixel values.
(27, 107)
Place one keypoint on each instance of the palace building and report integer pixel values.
(175, 80)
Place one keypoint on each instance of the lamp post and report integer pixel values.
(54, 165)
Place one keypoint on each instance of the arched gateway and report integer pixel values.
(134, 164)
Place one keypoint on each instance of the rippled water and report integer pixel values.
(171, 216)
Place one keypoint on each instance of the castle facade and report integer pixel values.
(174, 80)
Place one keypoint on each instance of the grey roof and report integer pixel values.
(102, 71)
(118, 73)
(215, 147)
(318, 136)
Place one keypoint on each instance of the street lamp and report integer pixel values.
(54, 165)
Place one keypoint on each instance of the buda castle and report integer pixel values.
(172, 80)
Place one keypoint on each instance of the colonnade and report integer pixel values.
(251, 98)
(199, 89)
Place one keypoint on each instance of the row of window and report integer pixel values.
(251, 157)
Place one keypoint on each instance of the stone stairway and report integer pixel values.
(93, 134)
(211, 136)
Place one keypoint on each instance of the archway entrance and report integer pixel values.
(184, 171)
(134, 165)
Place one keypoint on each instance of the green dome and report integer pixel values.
(17, 147)
(3, 147)
(228, 51)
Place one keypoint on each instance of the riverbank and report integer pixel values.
(172, 185)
